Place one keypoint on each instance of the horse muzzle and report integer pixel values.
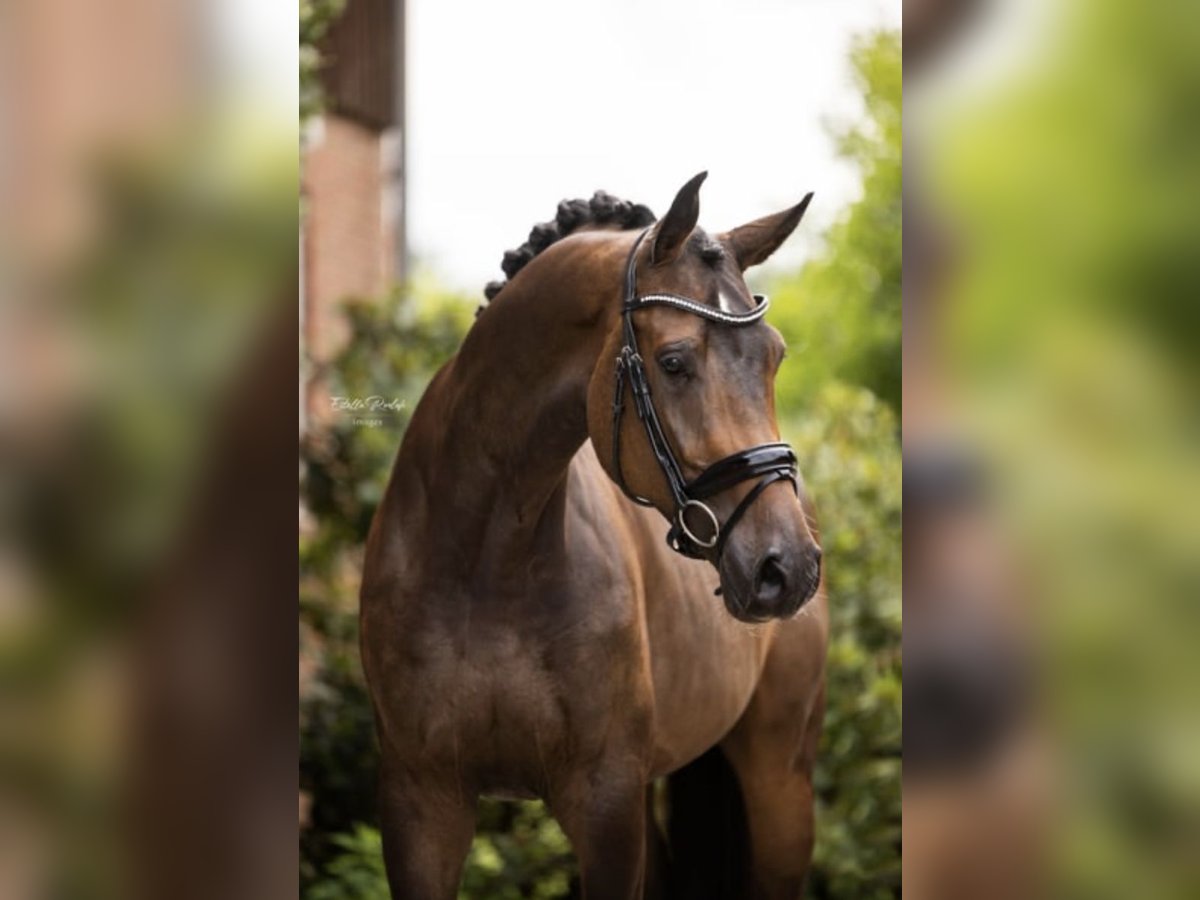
(773, 585)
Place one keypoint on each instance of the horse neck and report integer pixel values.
(513, 405)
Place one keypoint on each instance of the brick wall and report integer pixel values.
(352, 183)
(347, 250)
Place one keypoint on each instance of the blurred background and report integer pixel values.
(148, 217)
(435, 136)
(1052, 579)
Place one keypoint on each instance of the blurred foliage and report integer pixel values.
(155, 314)
(338, 752)
(850, 459)
(1071, 185)
(316, 17)
(519, 853)
(1088, 211)
(357, 872)
(395, 345)
(840, 314)
(127, 347)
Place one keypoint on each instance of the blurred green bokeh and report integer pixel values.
(1071, 186)
(128, 351)
(840, 313)
(316, 17)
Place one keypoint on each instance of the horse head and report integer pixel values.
(704, 361)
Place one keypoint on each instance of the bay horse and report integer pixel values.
(526, 632)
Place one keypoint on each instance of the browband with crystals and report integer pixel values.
(704, 311)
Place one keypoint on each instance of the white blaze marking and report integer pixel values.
(728, 304)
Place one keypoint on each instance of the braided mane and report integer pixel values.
(572, 216)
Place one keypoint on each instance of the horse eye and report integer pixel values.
(672, 364)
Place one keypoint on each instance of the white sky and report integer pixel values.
(516, 104)
(255, 54)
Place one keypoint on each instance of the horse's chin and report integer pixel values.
(736, 598)
(737, 595)
(750, 619)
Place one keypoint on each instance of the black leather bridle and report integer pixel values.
(766, 462)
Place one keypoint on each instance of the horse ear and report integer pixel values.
(673, 229)
(755, 241)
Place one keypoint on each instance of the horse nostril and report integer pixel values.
(770, 582)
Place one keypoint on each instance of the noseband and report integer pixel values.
(767, 463)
